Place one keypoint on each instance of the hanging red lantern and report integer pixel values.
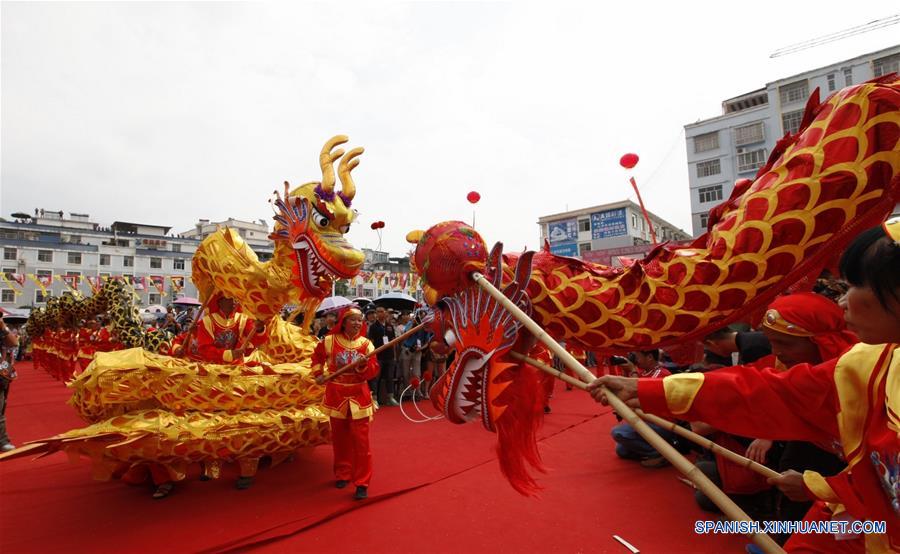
(381, 224)
(629, 160)
(374, 225)
(473, 197)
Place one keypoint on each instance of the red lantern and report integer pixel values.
(473, 197)
(374, 225)
(415, 382)
(381, 224)
(629, 160)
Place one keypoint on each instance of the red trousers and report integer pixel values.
(352, 455)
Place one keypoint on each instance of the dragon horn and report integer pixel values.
(348, 187)
(327, 159)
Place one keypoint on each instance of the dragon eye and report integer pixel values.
(345, 229)
(320, 218)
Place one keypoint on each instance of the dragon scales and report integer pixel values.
(837, 176)
(146, 407)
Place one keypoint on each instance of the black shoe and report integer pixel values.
(341, 483)
(361, 493)
(243, 483)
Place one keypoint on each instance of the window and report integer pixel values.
(45, 256)
(8, 271)
(883, 66)
(178, 263)
(123, 242)
(710, 194)
(7, 296)
(704, 220)
(104, 259)
(155, 263)
(176, 248)
(75, 258)
(748, 134)
(794, 92)
(154, 298)
(790, 121)
(751, 161)
(830, 78)
(584, 247)
(103, 275)
(75, 239)
(44, 273)
(9, 254)
(848, 76)
(709, 167)
(635, 222)
(40, 297)
(706, 142)
(128, 261)
(584, 225)
(73, 278)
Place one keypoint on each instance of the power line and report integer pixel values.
(832, 37)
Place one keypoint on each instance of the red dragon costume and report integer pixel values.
(837, 176)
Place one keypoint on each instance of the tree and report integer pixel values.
(341, 288)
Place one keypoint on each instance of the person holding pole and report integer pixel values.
(852, 400)
(348, 400)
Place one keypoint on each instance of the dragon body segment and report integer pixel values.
(149, 408)
(835, 178)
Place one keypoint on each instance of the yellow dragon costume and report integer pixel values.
(147, 407)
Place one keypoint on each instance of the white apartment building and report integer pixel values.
(51, 244)
(603, 227)
(256, 234)
(734, 145)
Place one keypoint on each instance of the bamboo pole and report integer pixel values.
(700, 440)
(375, 352)
(682, 464)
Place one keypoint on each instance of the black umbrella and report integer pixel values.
(396, 301)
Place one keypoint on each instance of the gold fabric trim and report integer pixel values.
(681, 390)
(854, 373)
(819, 486)
(776, 322)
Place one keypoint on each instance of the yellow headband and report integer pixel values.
(774, 321)
(892, 228)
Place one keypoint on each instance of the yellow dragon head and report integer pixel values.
(313, 219)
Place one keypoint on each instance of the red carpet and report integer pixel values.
(437, 488)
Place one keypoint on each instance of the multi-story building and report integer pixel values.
(398, 276)
(734, 145)
(51, 245)
(588, 232)
(256, 235)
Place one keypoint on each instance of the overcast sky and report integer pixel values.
(165, 113)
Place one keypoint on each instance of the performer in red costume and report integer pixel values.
(103, 339)
(851, 402)
(348, 399)
(224, 334)
(86, 346)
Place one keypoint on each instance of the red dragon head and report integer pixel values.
(313, 219)
(482, 383)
